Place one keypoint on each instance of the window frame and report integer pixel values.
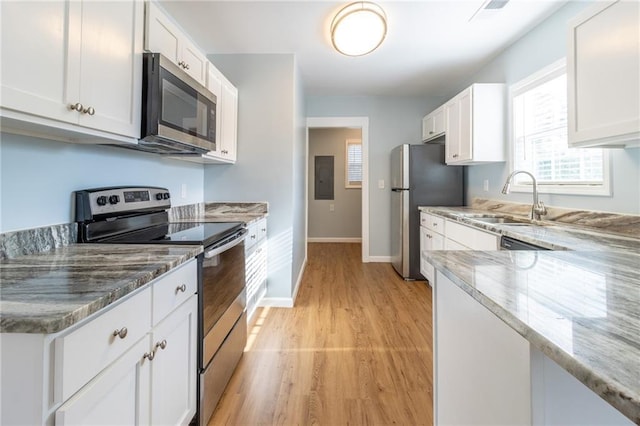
(540, 77)
(348, 184)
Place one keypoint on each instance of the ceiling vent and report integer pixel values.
(488, 9)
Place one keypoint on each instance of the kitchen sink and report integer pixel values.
(502, 220)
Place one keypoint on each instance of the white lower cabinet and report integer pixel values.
(173, 368)
(256, 264)
(481, 366)
(117, 396)
(133, 364)
(437, 233)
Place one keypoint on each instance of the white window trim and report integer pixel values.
(347, 184)
(548, 73)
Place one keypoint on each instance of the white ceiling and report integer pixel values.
(431, 46)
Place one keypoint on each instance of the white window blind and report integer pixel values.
(539, 124)
(353, 166)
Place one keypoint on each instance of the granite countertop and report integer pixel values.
(579, 305)
(221, 212)
(49, 291)
(548, 234)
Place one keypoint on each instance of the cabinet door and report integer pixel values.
(603, 65)
(119, 395)
(427, 127)
(465, 141)
(173, 369)
(214, 84)
(452, 141)
(37, 56)
(229, 122)
(111, 65)
(194, 61)
(161, 34)
(438, 121)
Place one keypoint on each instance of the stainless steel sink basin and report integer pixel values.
(502, 220)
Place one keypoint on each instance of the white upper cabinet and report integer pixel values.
(433, 124)
(603, 69)
(163, 36)
(229, 122)
(475, 125)
(82, 65)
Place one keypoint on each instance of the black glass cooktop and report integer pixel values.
(178, 233)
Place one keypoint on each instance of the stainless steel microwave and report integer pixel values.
(178, 113)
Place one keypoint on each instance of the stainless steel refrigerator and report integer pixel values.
(419, 177)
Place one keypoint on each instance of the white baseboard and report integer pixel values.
(334, 240)
(379, 259)
(285, 302)
(276, 302)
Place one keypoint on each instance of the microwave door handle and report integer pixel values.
(216, 251)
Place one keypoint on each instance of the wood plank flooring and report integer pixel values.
(355, 350)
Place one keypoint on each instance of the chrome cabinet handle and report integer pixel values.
(186, 66)
(159, 345)
(76, 107)
(264, 229)
(431, 132)
(435, 224)
(181, 63)
(455, 155)
(122, 333)
(253, 237)
(181, 288)
(89, 111)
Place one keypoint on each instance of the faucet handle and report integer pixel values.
(540, 209)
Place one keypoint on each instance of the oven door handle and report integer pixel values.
(239, 237)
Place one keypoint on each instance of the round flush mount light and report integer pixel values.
(358, 28)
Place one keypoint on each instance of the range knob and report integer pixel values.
(159, 196)
(166, 196)
(114, 199)
(101, 200)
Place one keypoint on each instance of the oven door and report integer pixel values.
(222, 293)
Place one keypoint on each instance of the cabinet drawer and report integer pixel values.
(432, 222)
(252, 235)
(174, 288)
(470, 237)
(87, 350)
(262, 229)
(453, 245)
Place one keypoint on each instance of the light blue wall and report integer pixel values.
(268, 151)
(392, 121)
(38, 177)
(542, 46)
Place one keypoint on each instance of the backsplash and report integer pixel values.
(29, 241)
(624, 224)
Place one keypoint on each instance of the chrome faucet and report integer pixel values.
(537, 208)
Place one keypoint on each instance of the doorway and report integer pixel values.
(351, 123)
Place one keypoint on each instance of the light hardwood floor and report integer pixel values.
(355, 350)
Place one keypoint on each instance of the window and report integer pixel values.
(353, 166)
(539, 139)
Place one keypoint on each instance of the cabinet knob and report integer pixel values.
(253, 237)
(159, 345)
(455, 155)
(89, 111)
(435, 224)
(181, 288)
(181, 63)
(431, 132)
(186, 66)
(76, 107)
(264, 229)
(122, 333)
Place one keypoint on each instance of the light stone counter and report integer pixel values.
(48, 291)
(579, 305)
(581, 309)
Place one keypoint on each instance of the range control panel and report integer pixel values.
(118, 201)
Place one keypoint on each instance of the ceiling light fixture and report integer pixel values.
(358, 28)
